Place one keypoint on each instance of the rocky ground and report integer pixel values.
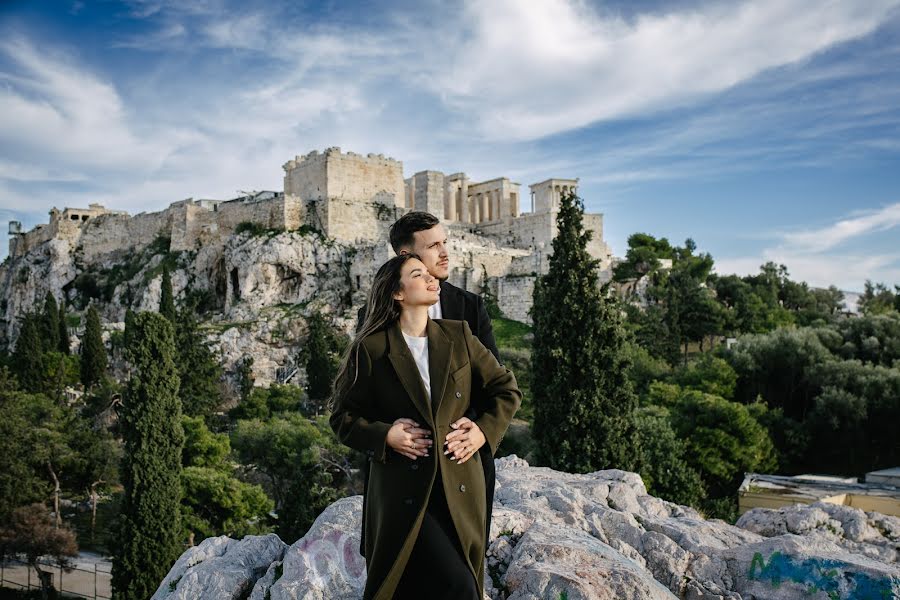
(594, 536)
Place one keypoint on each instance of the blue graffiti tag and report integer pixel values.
(830, 576)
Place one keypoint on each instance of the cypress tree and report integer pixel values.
(93, 352)
(28, 357)
(583, 401)
(322, 353)
(166, 298)
(63, 329)
(49, 325)
(149, 523)
(198, 370)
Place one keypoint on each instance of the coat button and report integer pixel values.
(458, 395)
(462, 487)
(408, 501)
(414, 467)
(370, 452)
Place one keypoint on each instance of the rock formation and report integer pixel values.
(594, 536)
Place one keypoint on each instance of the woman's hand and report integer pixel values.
(464, 441)
(407, 438)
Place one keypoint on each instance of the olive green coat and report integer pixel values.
(388, 387)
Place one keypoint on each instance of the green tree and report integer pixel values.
(643, 256)
(49, 324)
(645, 368)
(321, 357)
(723, 441)
(868, 397)
(873, 339)
(198, 370)
(28, 356)
(166, 297)
(300, 458)
(94, 468)
(22, 479)
(708, 374)
(149, 524)
(662, 463)
(202, 447)
(778, 367)
(275, 400)
(32, 533)
(877, 299)
(583, 400)
(216, 503)
(63, 329)
(245, 377)
(213, 500)
(490, 299)
(93, 351)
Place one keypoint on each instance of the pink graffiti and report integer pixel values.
(335, 555)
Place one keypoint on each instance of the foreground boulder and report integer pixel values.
(592, 536)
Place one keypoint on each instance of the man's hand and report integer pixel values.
(464, 441)
(407, 438)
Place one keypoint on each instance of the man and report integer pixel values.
(421, 233)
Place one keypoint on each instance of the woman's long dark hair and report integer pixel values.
(382, 311)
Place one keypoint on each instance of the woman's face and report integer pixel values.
(417, 286)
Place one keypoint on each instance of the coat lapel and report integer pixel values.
(405, 367)
(440, 347)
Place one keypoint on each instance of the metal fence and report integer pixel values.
(81, 581)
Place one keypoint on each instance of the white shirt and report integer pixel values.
(435, 312)
(418, 346)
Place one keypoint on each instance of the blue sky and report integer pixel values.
(763, 130)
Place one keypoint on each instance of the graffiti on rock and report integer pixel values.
(838, 580)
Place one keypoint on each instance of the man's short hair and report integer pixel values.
(401, 233)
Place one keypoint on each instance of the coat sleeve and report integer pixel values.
(352, 422)
(495, 393)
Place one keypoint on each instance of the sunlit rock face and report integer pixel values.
(592, 536)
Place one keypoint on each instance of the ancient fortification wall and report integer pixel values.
(353, 198)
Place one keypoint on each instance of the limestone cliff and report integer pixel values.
(256, 285)
(594, 536)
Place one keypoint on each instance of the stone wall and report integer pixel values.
(265, 211)
(429, 192)
(514, 297)
(350, 220)
(371, 178)
(108, 234)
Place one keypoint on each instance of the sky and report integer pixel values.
(765, 130)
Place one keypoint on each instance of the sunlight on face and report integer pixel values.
(431, 246)
(417, 286)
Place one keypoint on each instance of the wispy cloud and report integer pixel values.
(826, 238)
(822, 255)
(533, 69)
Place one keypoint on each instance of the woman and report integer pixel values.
(425, 511)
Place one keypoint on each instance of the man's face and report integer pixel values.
(431, 246)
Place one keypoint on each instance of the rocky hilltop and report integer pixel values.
(256, 285)
(594, 536)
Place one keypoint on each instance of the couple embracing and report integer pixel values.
(422, 393)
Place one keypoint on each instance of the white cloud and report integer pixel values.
(531, 69)
(58, 111)
(846, 271)
(816, 256)
(826, 238)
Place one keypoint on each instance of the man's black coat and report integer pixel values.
(460, 305)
